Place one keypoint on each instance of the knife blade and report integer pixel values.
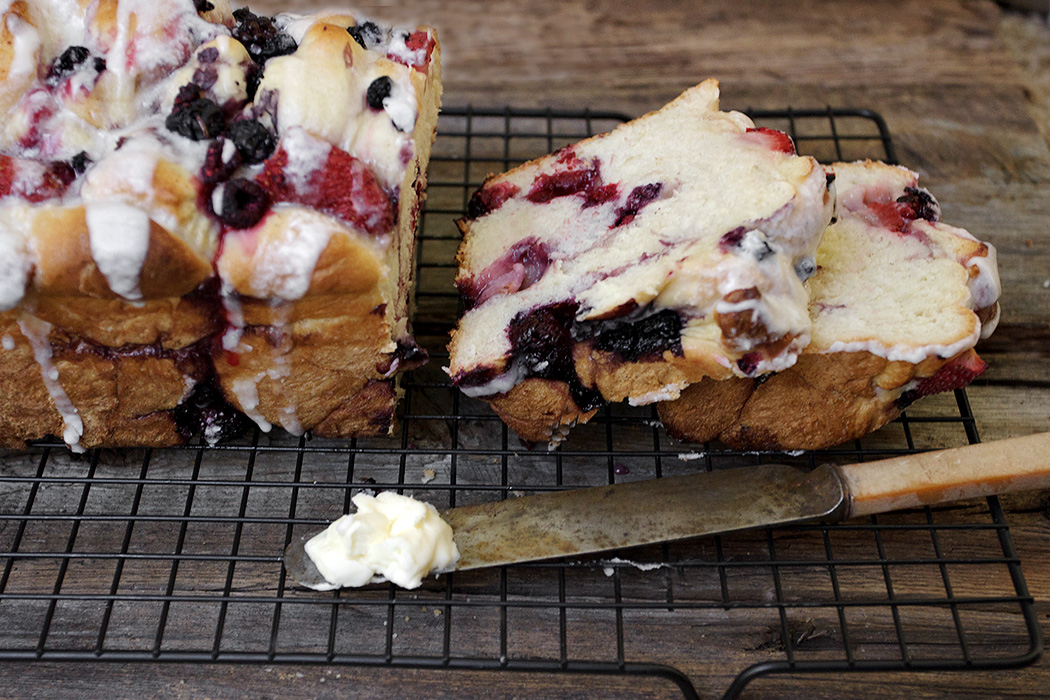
(604, 518)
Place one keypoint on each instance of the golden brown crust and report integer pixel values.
(823, 400)
(65, 267)
(536, 409)
(369, 412)
(330, 355)
(121, 397)
(312, 366)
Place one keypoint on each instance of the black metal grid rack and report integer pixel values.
(174, 555)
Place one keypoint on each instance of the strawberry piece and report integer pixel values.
(417, 41)
(349, 190)
(343, 187)
(955, 375)
(582, 181)
(50, 181)
(517, 269)
(775, 140)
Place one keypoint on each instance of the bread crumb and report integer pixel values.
(429, 475)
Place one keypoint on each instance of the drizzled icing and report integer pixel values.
(284, 267)
(36, 332)
(113, 107)
(15, 265)
(119, 237)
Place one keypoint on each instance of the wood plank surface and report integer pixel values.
(955, 103)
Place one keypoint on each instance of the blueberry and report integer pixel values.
(261, 37)
(80, 162)
(649, 337)
(199, 120)
(367, 34)
(244, 203)
(748, 364)
(206, 76)
(805, 268)
(254, 141)
(66, 63)
(378, 91)
(542, 341)
(206, 410)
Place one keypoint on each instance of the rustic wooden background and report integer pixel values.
(956, 104)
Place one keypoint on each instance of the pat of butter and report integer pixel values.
(390, 538)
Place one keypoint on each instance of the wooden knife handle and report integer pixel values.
(985, 469)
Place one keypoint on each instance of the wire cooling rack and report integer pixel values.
(174, 555)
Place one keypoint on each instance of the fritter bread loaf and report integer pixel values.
(898, 302)
(633, 264)
(205, 213)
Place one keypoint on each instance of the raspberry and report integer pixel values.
(349, 190)
(261, 37)
(199, 120)
(244, 204)
(378, 91)
(343, 187)
(254, 141)
(215, 169)
(54, 181)
(187, 95)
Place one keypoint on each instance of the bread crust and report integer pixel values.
(114, 364)
(823, 400)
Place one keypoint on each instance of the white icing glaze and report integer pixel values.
(306, 155)
(7, 342)
(287, 415)
(399, 49)
(907, 353)
(15, 265)
(284, 267)
(25, 49)
(231, 303)
(669, 392)
(247, 392)
(119, 242)
(389, 538)
(36, 331)
(401, 105)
